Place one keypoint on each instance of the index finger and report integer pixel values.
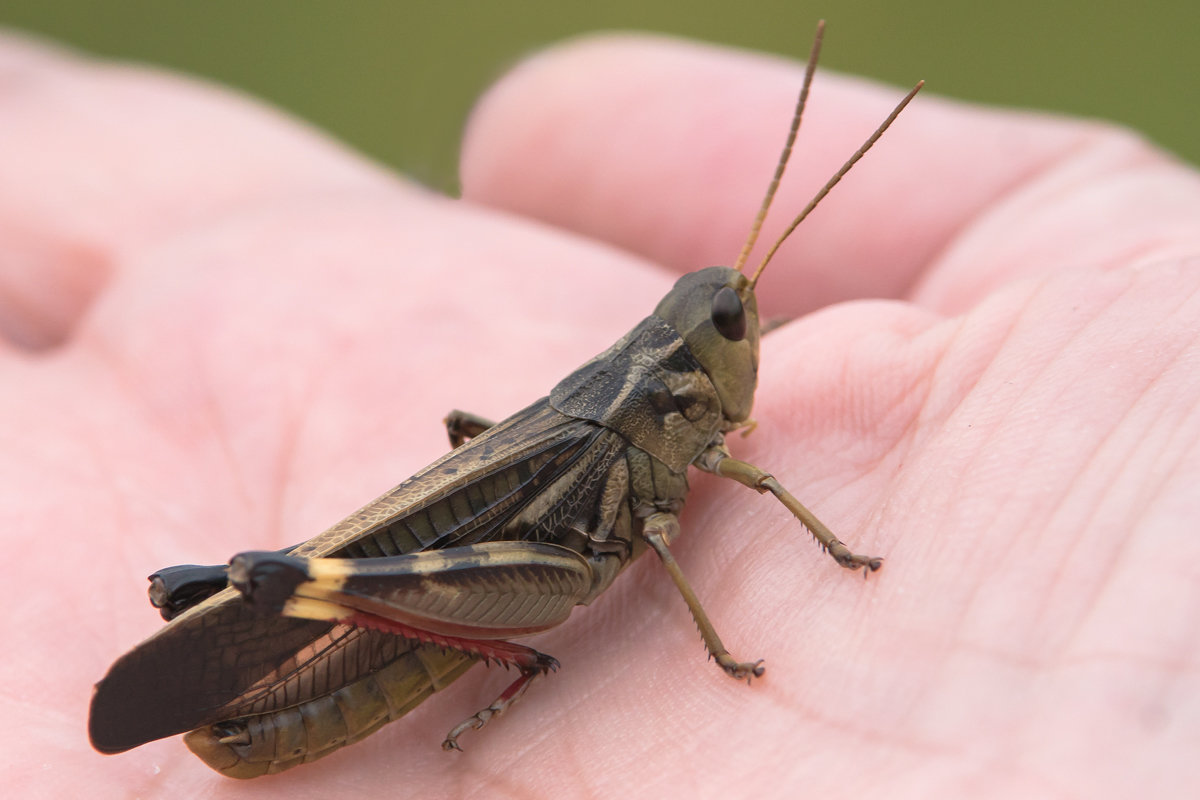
(665, 148)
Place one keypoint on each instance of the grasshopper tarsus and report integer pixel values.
(842, 555)
(477, 721)
(741, 670)
(545, 664)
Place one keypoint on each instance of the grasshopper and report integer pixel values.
(282, 658)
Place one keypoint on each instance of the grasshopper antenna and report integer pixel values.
(837, 176)
(786, 154)
(756, 227)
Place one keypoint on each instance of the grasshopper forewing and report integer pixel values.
(310, 649)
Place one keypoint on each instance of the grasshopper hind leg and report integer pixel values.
(173, 590)
(469, 599)
(463, 425)
(543, 665)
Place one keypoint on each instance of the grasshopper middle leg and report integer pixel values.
(659, 530)
(542, 665)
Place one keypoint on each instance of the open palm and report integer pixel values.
(222, 332)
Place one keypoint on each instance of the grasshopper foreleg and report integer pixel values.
(658, 531)
(463, 425)
(717, 460)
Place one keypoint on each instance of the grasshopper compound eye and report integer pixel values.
(728, 315)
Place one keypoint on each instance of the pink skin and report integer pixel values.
(222, 331)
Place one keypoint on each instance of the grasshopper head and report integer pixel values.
(715, 312)
(714, 309)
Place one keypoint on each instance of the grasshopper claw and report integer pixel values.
(741, 670)
(475, 721)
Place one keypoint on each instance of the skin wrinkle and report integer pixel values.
(1186, 447)
(519, 749)
(498, 786)
(968, 394)
(1066, 662)
(1083, 528)
(1150, 251)
(1090, 610)
(1155, 251)
(1018, 775)
(1096, 512)
(209, 408)
(938, 372)
(1019, 324)
(721, 561)
(1001, 197)
(1102, 657)
(1060, 668)
(1096, 142)
(100, 469)
(293, 428)
(1087, 602)
(862, 736)
(127, 377)
(906, 438)
(572, 758)
(1138, 161)
(121, 376)
(945, 645)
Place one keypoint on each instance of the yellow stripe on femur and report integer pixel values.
(308, 608)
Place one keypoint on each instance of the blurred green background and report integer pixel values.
(397, 79)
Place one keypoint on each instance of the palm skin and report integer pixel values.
(222, 332)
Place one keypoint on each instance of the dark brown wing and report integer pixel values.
(222, 659)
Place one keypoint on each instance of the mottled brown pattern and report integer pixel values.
(649, 388)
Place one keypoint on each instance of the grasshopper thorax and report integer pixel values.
(716, 314)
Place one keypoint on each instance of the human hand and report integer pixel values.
(257, 332)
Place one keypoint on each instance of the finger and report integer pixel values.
(101, 159)
(1108, 202)
(665, 148)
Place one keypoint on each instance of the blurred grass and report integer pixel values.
(397, 79)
